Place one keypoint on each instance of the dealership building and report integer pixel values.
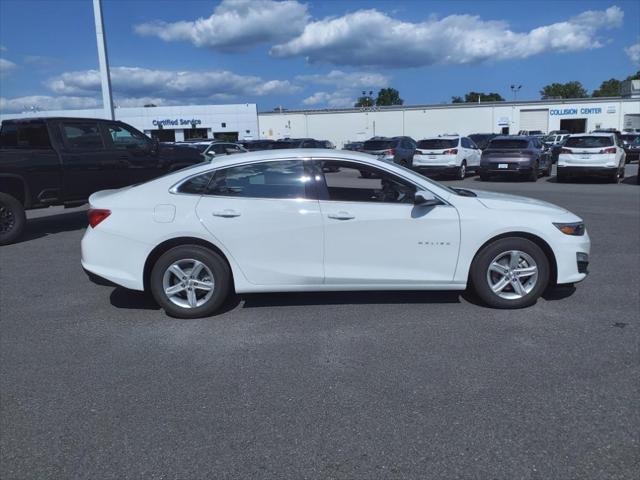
(242, 121)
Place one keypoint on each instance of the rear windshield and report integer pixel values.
(378, 144)
(279, 145)
(508, 144)
(589, 142)
(438, 143)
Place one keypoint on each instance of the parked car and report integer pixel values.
(190, 238)
(555, 139)
(255, 145)
(353, 146)
(631, 146)
(223, 148)
(448, 155)
(398, 150)
(592, 154)
(518, 156)
(295, 143)
(61, 161)
(482, 139)
(531, 133)
(325, 144)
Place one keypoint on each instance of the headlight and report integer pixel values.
(576, 229)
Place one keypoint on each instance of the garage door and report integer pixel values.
(537, 119)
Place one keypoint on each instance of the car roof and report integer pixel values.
(512, 137)
(593, 134)
(446, 137)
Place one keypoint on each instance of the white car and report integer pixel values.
(451, 154)
(592, 154)
(310, 220)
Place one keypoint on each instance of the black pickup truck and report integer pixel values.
(61, 161)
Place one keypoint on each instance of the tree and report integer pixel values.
(608, 88)
(472, 97)
(635, 76)
(563, 90)
(389, 96)
(364, 101)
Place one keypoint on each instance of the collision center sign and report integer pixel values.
(575, 111)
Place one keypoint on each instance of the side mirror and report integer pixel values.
(424, 198)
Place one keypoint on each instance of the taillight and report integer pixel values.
(608, 150)
(453, 151)
(566, 150)
(97, 215)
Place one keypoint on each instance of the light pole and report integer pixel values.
(105, 77)
(515, 89)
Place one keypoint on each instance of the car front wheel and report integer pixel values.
(510, 273)
(190, 281)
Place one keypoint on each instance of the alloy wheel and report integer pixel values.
(188, 283)
(512, 274)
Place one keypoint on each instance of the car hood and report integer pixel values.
(503, 201)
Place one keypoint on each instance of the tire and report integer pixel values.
(12, 219)
(192, 300)
(533, 176)
(461, 171)
(561, 177)
(501, 251)
(614, 177)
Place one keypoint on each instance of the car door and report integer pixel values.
(266, 215)
(87, 164)
(472, 152)
(134, 154)
(374, 234)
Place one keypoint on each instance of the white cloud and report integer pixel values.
(332, 99)
(3, 48)
(633, 51)
(344, 79)
(46, 102)
(171, 84)
(372, 38)
(6, 66)
(235, 25)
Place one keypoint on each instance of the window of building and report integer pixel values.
(195, 133)
(224, 125)
(279, 179)
(351, 182)
(82, 136)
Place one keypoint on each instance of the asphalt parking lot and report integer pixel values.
(97, 382)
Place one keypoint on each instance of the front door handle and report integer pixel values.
(342, 216)
(227, 213)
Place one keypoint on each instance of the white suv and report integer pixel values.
(592, 154)
(449, 154)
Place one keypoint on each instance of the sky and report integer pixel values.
(314, 54)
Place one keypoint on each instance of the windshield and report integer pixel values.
(378, 144)
(630, 138)
(508, 144)
(589, 142)
(438, 143)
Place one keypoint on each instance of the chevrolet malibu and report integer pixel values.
(324, 220)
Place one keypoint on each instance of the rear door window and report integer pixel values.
(32, 135)
(589, 142)
(82, 136)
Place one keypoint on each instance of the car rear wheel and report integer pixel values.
(615, 176)
(461, 171)
(190, 281)
(12, 219)
(533, 176)
(510, 273)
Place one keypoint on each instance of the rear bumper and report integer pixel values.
(512, 169)
(436, 169)
(586, 170)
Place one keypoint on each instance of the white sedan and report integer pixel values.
(324, 220)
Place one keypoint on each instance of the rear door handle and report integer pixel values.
(342, 216)
(227, 213)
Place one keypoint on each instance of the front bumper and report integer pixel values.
(572, 258)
